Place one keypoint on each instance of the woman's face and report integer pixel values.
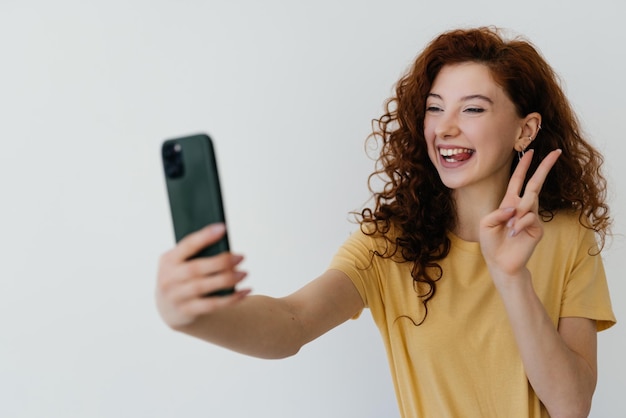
(470, 128)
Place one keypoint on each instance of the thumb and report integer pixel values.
(498, 217)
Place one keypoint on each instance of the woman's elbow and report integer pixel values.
(580, 408)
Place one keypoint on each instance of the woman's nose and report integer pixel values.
(447, 126)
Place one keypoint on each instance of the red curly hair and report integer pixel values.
(414, 211)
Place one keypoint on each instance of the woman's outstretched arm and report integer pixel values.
(259, 326)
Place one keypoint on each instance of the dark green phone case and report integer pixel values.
(193, 188)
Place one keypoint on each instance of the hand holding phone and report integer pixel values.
(183, 282)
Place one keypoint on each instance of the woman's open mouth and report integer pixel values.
(455, 155)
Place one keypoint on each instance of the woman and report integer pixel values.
(479, 260)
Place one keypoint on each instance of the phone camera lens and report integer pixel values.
(173, 160)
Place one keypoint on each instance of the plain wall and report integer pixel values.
(88, 90)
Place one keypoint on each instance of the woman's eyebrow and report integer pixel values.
(465, 98)
(477, 96)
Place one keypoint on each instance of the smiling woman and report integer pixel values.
(482, 311)
(472, 239)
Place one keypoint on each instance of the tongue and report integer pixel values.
(463, 156)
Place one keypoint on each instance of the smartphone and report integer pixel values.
(193, 188)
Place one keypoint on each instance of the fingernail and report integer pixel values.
(512, 233)
(510, 222)
(217, 228)
(244, 292)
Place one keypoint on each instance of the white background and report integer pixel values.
(287, 89)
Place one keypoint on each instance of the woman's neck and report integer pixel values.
(471, 207)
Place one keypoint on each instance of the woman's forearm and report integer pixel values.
(561, 377)
(258, 326)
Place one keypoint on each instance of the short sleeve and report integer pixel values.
(355, 259)
(586, 292)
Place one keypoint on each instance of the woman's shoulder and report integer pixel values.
(564, 219)
(568, 226)
(378, 236)
(380, 230)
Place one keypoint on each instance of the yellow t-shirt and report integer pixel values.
(463, 360)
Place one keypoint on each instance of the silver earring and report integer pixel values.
(520, 154)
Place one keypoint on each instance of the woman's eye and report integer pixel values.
(433, 109)
(475, 110)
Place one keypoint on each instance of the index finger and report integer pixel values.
(516, 182)
(193, 243)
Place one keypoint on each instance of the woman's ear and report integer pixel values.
(530, 129)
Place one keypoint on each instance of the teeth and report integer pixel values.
(454, 151)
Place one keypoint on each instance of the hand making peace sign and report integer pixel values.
(509, 235)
